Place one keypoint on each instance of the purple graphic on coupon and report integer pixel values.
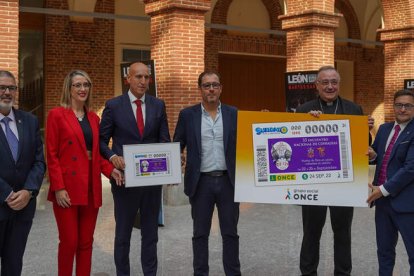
(305, 154)
(153, 165)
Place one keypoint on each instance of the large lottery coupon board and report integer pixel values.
(299, 159)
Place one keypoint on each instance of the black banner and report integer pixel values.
(409, 84)
(300, 88)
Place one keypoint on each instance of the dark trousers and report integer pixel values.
(13, 238)
(127, 202)
(313, 218)
(215, 191)
(388, 223)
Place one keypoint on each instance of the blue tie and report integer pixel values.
(11, 138)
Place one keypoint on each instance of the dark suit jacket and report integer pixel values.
(400, 169)
(119, 123)
(67, 158)
(28, 171)
(188, 133)
(346, 106)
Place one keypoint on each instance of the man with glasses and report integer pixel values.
(208, 131)
(313, 217)
(21, 175)
(393, 185)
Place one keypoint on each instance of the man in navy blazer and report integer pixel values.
(393, 185)
(119, 122)
(208, 131)
(21, 176)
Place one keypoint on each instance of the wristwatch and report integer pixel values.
(32, 194)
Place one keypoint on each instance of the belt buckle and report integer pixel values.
(216, 173)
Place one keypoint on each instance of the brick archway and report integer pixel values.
(345, 7)
(219, 14)
(274, 9)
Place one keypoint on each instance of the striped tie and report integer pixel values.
(383, 172)
(11, 138)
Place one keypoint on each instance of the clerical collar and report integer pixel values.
(324, 103)
(330, 107)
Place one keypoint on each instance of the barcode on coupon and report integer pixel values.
(261, 164)
(344, 154)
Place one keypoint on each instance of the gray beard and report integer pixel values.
(5, 108)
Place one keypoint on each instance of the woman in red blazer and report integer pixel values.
(75, 165)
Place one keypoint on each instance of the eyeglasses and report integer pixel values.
(208, 85)
(333, 82)
(12, 88)
(401, 106)
(85, 85)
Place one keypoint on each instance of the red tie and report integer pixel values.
(383, 172)
(140, 118)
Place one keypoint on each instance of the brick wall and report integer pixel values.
(368, 63)
(398, 14)
(79, 45)
(368, 77)
(9, 32)
(298, 6)
(254, 45)
(398, 38)
(309, 40)
(398, 65)
(177, 46)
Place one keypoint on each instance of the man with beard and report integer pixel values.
(21, 175)
(393, 185)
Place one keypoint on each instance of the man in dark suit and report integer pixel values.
(21, 175)
(313, 217)
(393, 185)
(134, 118)
(208, 131)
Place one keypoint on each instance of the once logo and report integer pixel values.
(308, 197)
(305, 176)
(288, 194)
(284, 177)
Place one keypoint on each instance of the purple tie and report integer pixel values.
(383, 172)
(11, 138)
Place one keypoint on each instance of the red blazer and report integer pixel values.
(67, 158)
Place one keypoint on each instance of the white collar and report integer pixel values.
(132, 98)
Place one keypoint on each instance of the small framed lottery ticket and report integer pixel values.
(152, 164)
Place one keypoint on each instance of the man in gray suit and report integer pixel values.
(313, 217)
(21, 175)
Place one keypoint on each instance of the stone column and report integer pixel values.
(177, 46)
(310, 27)
(398, 64)
(398, 38)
